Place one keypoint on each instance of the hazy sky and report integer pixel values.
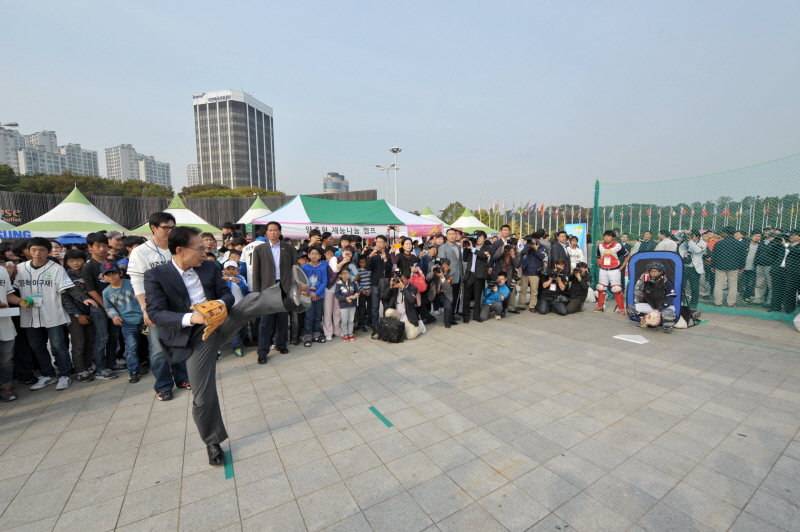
(518, 100)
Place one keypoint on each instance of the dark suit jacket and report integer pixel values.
(167, 302)
(409, 298)
(264, 267)
(557, 251)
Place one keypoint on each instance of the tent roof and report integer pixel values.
(183, 217)
(308, 209)
(256, 210)
(429, 215)
(469, 223)
(5, 226)
(75, 214)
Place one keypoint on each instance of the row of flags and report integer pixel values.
(683, 211)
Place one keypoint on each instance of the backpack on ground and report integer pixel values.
(391, 330)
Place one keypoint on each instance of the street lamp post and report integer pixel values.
(395, 150)
(9, 124)
(386, 169)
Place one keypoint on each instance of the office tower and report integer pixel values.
(234, 138)
(334, 182)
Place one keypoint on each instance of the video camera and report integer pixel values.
(554, 274)
(492, 284)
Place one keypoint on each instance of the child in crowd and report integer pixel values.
(124, 311)
(237, 244)
(106, 334)
(236, 256)
(129, 243)
(239, 289)
(364, 280)
(346, 292)
(317, 273)
(330, 314)
(81, 328)
(297, 319)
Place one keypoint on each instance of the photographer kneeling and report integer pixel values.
(579, 283)
(495, 293)
(402, 305)
(440, 290)
(553, 295)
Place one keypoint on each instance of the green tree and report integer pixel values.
(8, 179)
(239, 192)
(452, 212)
(90, 185)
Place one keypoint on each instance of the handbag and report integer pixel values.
(418, 281)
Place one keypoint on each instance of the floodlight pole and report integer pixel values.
(395, 150)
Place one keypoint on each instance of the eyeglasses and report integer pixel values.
(166, 228)
(201, 248)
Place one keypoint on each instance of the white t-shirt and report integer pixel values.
(7, 331)
(48, 281)
(143, 258)
(247, 257)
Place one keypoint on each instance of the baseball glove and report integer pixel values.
(214, 312)
(652, 319)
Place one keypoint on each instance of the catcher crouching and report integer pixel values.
(654, 299)
(193, 308)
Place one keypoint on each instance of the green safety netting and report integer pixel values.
(737, 233)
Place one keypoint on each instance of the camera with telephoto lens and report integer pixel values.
(576, 271)
(437, 270)
(492, 284)
(554, 274)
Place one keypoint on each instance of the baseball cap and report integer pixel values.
(229, 263)
(109, 267)
(115, 234)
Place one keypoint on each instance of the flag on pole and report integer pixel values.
(631, 213)
(704, 213)
(611, 216)
(580, 210)
(715, 210)
(556, 212)
(684, 211)
(649, 212)
(532, 208)
(673, 211)
(726, 212)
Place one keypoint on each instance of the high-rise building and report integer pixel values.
(80, 161)
(192, 175)
(234, 137)
(124, 164)
(11, 142)
(334, 182)
(38, 160)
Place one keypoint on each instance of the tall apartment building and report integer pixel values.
(11, 142)
(234, 137)
(40, 153)
(335, 182)
(80, 161)
(123, 163)
(192, 175)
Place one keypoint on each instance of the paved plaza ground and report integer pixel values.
(537, 423)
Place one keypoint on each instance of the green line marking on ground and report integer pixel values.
(381, 417)
(228, 465)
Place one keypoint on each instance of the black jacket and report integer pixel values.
(483, 255)
(557, 251)
(379, 268)
(168, 301)
(409, 298)
(729, 254)
(579, 289)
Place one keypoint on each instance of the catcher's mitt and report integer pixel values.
(214, 312)
(652, 319)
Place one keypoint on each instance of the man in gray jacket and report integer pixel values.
(452, 251)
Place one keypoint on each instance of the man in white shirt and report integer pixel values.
(143, 258)
(666, 242)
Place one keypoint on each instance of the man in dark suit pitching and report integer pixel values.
(171, 290)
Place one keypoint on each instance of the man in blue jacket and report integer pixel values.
(493, 297)
(533, 255)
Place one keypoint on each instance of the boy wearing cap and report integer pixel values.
(125, 312)
(239, 289)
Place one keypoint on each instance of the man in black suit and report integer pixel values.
(265, 275)
(170, 291)
(476, 272)
(559, 250)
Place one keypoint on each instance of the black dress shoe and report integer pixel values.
(454, 322)
(216, 456)
(262, 360)
(283, 350)
(466, 319)
(430, 320)
(514, 311)
(446, 325)
(479, 319)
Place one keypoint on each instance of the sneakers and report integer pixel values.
(84, 376)
(599, 309)
(321, 340)
(8, 395)
(120, 365)
(498, 317)
(134, 377)
(307, 343)
(328, 339)
(106, 373)
(44, 382)
(437, 312)
(184, 384)
(238, 352)
(27, 380)
(63, 383)
(352, 338)
(164, 396)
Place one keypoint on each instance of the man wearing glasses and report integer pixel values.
(143, 258)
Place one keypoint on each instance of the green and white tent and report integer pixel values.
(75, 214)
(256, 210)
(183, 216)
(364, 218)
(468, 223)
(429, 215)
